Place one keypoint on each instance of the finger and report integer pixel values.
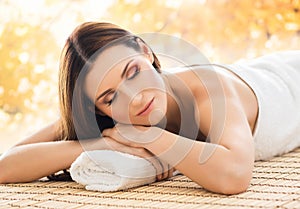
(112, 133)
(165, 173)
(157, 165)
(171, 171)
(111, 144)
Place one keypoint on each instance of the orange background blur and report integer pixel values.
(32, 33)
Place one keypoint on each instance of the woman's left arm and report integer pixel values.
(224, 166)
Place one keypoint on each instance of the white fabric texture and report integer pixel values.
(275, 80)
(107, 171)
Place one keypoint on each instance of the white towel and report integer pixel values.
(107, 171)
(274, 79)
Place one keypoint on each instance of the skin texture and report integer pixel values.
(129, 102)
(228, 167)
(223, 166)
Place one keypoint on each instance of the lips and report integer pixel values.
(146, 109)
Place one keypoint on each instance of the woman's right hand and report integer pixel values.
(163, 170)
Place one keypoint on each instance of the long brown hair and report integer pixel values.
(77, 55)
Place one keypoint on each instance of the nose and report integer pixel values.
(132, 94)
(137, 99)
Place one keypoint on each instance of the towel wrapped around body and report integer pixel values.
(275, 80)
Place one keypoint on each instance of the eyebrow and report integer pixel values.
(122, 75)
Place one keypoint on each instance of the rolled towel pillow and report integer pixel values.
(107, 171)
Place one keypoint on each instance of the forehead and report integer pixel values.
(107, 66)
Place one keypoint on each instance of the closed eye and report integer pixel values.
(132, 72)
(110, 98)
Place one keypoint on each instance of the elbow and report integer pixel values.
(2, 173)
(234, 186)
(5, 172)
(2, 181)
(236, 181)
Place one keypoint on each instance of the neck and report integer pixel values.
(171, 122)
(173, 115)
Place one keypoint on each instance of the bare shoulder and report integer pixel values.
(205, 82)
(217, 89)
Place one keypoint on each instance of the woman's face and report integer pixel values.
(126, 87)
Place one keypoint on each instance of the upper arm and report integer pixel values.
(46, 134)
(226, 124)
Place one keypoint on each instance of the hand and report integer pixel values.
(133, 135)
(162, 169)
(123, 134)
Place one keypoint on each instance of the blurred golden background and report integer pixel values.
(33, 32)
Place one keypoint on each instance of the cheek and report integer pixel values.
(153, 80)
(120, 116)
(120, 113)
(162, 99)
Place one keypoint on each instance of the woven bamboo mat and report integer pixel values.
(275, 184)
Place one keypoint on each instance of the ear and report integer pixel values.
(146, 50)
(96, 110)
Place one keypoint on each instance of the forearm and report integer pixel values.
(32, 161)
(210, 165)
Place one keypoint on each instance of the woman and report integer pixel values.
(209, 122)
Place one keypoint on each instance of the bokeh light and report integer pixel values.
(33, 32)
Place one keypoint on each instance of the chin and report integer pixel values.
(156, 117)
